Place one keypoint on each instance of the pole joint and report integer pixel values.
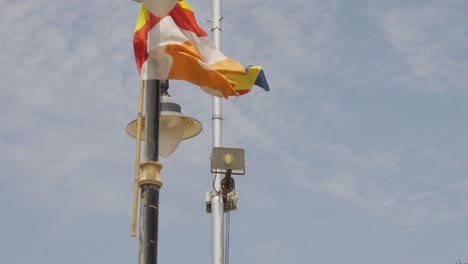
(217, 117)
(216, 24)
(150, 173)
(216, 28)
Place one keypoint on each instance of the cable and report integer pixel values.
(214, 180)
(226, 244)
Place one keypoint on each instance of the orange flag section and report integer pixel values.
(186, 65)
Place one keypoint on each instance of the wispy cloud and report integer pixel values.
(431, 39)
(384, 184)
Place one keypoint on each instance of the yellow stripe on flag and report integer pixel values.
(143, 17)
(244, 81)
(185, 5)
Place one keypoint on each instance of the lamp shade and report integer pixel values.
(170, 134)
(173, 127)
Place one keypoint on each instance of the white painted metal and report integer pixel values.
(217, 207)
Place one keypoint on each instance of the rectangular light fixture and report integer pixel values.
(223, 159)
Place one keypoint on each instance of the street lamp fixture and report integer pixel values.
(162, 128)
(173, 126)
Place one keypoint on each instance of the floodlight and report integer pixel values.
(228, 159)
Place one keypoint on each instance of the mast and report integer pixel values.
(217, 207)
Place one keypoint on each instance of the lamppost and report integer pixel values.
(164, 127)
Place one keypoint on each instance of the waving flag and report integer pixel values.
(175, 47)
(245, 82)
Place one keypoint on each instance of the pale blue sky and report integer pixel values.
(358, 154)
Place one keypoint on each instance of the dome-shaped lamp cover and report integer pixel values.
(171, 129)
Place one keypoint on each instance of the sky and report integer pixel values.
(358, 154)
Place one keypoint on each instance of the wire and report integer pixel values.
(226, 244)
(214, 180)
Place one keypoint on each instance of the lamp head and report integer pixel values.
(173, 126)
(228, 159)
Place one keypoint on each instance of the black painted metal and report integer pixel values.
(152, 107)
(149, 214)
(149, 210)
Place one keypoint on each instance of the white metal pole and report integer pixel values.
(217, 207)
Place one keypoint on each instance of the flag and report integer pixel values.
(175, 47)
(245, 82)
(159, 8)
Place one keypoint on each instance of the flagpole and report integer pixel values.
(217, 207)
